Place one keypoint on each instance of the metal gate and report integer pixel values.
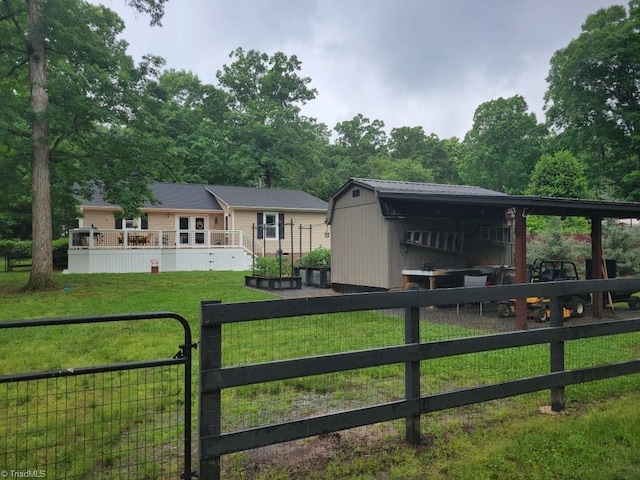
(118, 421)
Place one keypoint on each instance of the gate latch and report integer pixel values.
(180, 353)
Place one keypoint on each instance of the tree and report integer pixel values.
(559, 175)
(404, 169)
(190, 115)
(594, 94)
(502, 146)
(69, 49)
(553, 243)
(621, 244)
(430, 151)
(360, 139)
(265, 134)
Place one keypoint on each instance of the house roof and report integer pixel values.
(184, 196)
(403, 199)
(249, 197)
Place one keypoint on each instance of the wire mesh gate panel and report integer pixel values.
(128, 420)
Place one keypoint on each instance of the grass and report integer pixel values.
(503, 439)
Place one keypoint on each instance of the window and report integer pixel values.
(137, 223)
(270, 225)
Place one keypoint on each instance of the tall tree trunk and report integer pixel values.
(41, 262)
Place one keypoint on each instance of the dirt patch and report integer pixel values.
(299, 458)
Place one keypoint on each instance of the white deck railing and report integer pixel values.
(91, 238)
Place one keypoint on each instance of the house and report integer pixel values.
(387, 234)
(197, 227)
(381, 228)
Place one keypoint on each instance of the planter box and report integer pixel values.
(315, 276)
(273, 283)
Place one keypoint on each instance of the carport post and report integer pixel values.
(412, 373)
(596, 265)
(521, 266)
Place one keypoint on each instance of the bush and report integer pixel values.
(317, 258)
(15, 248)
(270, 266)
(21, 250)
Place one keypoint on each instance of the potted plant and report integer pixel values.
(273, 273)
(315, 268)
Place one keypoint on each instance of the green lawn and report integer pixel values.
(506, 439)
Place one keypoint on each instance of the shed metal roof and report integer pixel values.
(424, 188)
(405, 199)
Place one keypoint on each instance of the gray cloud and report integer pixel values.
(406, 62)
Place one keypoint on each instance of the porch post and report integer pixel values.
(521, 266)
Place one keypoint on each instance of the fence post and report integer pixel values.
(210, 416)
(412, 373)
(557, 354)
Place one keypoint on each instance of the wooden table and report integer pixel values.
(438, 272)
(138, 239)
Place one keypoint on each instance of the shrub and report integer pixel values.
(270, 266)
(317, 258)
(15, 248)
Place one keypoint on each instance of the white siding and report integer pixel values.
(129, 261)
(244, 219)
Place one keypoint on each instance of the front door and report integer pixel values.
(199, 221)
(183, 230)
(191, 230)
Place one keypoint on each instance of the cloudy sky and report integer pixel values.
(426, 63)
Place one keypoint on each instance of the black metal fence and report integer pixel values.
(128, 420)
(291, 390)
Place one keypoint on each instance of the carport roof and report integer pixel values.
(401, 199)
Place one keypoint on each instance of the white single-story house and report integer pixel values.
(197, 227)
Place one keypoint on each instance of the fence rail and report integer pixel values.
(122, 420)
(413, 354)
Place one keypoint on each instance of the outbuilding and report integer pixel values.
(381, 228)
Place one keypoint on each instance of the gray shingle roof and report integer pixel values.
(203, 197)
(173, 196)
(416, 187)
(267, 197)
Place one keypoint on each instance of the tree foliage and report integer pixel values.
(65, 75)
(432, 153)
(594, 94)
(266, 135)
(361, 139)
(559, 175)
(502, 147)
(622, 244)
